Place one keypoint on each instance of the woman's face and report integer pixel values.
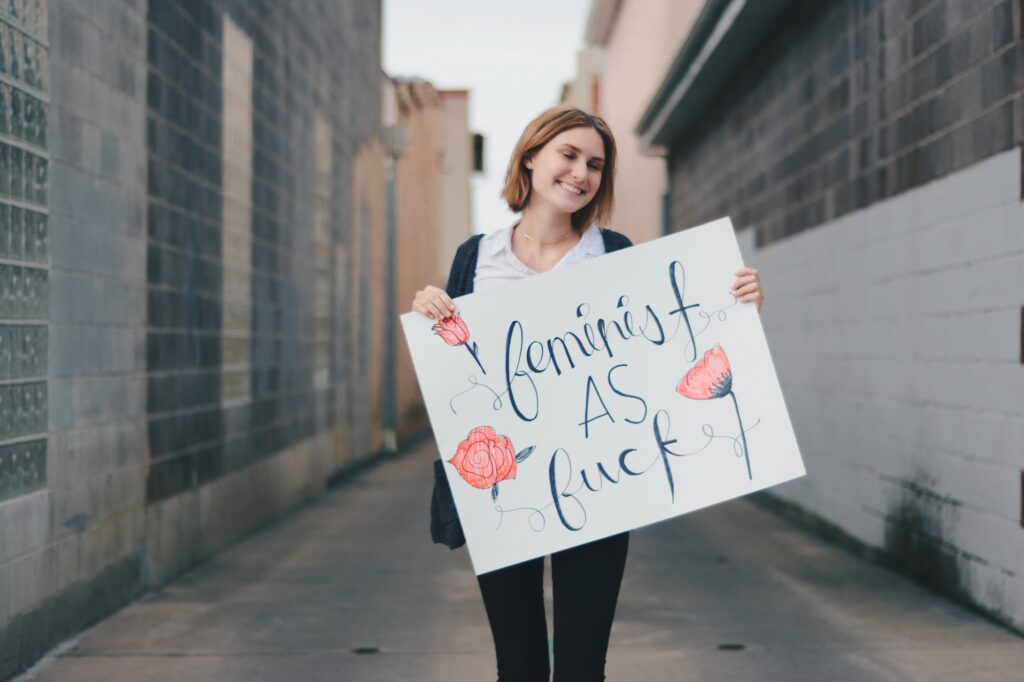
(567, 170)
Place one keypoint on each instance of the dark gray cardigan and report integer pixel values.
(444, 520)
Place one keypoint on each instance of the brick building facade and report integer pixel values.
(870, 154)
(192, 265)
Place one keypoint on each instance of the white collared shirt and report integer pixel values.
(496, 264)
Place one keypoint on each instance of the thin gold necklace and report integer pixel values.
(557, 241)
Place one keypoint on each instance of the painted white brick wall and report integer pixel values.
(896, 334)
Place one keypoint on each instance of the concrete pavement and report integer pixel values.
(727, 593)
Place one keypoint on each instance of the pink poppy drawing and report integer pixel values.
(485, 458)
(711, 378)
(454, 332)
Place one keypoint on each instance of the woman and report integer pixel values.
(561, 178)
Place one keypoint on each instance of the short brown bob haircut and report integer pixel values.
(538, 133)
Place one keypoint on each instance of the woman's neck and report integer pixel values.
(545, 226)
(549, 238)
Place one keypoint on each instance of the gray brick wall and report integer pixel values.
(849, 102)
(300, 70)
(184, 93)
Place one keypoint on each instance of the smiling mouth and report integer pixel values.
(575, 191)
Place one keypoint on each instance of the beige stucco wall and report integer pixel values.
(418, 227)
(585, 91)
(368, 268)
(456, 168)
(643, 39)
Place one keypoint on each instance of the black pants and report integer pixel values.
(585, 581)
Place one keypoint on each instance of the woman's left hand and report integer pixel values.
(747, 287)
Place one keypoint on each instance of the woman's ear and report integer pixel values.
(528, 163)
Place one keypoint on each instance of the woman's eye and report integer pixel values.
(568, 156)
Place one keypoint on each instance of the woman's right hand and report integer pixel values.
(433, 303)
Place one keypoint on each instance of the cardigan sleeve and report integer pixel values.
(453, 276)
(460, 278)
(613, 241)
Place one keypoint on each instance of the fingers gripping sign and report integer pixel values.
(433, 302)
(747, 287)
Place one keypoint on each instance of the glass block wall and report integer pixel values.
(24, 259)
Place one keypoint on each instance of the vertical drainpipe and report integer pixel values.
(390, 399)
(666, 212)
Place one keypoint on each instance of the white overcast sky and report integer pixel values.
(512, 56)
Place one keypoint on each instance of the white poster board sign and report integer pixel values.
(601, 397)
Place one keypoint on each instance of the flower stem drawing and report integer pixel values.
(472, 351)
(743, 434)
(711, 378)
(454, 332)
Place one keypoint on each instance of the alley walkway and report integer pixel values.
(356, 570)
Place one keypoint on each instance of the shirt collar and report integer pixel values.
(503, 240)
(591, 243)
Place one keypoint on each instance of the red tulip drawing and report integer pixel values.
(454, 332)
(485, 459)
(711, 378)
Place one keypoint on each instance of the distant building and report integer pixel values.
(434, 210)
(585, 91)
(869, 154)
(456, 171)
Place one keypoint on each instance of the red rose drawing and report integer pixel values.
(485, 458)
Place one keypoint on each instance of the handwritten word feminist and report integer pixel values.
(596, 338)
